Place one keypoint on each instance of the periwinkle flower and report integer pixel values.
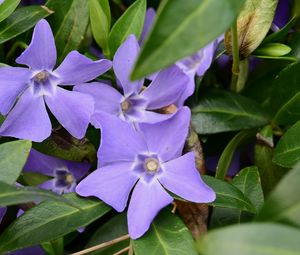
(282, 15)
(136, 104)
(38, 85)
(147, 161)
(65, 173)
(2, 212)
(197, 64)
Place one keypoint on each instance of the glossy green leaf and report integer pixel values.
(283, 204)
(13, 195)
(270, 173)
(50, 220)
(221, 111)
(167, 236)
(228, 196)
(179, 32)
(112, 229)
(286, 102)
(7, 7)
(281, 33)
(61, 144)
(13, 156)
(100, 23)
(69, 24)
(248, 182)
(272, 50)
(227, 154)
(251, 239)
(131, 22)
(22, 20)
(287, 151)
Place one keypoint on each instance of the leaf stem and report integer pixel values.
(235, 56)
(123, 250)
(100, 246)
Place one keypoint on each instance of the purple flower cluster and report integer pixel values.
(141, 147)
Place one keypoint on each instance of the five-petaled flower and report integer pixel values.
(38, 85)
(65, 173)
(137, 104)
(147, 161)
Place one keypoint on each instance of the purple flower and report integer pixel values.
(65, 173)
(149, 18)
(197, 64)
(34, 250)
(136, 104)
(38, 85)
(147, 161)
(282, 14)
(2, 213)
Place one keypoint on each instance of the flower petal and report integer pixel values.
(48, 185)
(119, 140)
(154, 117)
(107, 99)
(181, 177)
(41, 52)
(166, 88)
(28, 119)
(72, 109)
(123, 63)
(2, 212)
(146, 201)
(149, 19)
(77, 68)
(13, 80)
(167, 139)
(111, 183)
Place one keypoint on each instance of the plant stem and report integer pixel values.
(122, 251)
(100, 246)
(235, 56)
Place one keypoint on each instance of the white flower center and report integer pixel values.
(42, 77)
(151, 165)
(125, 105)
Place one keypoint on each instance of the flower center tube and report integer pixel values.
(125, 105)
(64, 178)
(41, 77)
(151, 165)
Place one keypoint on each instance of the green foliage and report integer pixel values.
(131, 22)
(220, 111)
(228, 196)
(167, 236)
(21, 20)
(170, 37)
(287, 152)
(50, 220)
(251, 239)
(13, 156)
(7, 7)
(283, 204)
(69, 24)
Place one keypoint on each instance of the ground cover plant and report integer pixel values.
(150, 127)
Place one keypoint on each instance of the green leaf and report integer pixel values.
(167, 236)
(286, 102)
(22, 20)
(50, 220)
(270, 173)
(221, 111)
(283, 204)
(131, 22)
(272, 50)
(61, 144)
(251, 239)
(179, 32)
(287, 151)
(112, 229)
(228, 196)
(248, 182)
(7, 7)
(228, 153)
(281, 33)
(253, 25)
(13, 195)
(69, 24)
(100, 23)
(13, 156)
